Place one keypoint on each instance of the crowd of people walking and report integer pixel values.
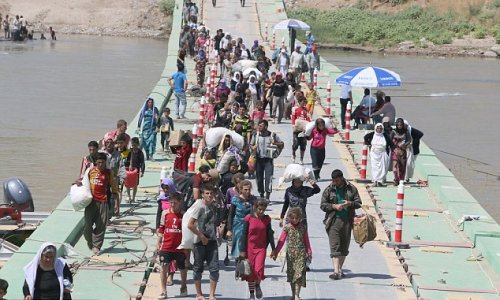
(197, 213)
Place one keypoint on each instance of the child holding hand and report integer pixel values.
(297, 253)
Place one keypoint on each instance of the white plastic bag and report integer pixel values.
(214, 136)
(295, 171)
(187, 235)
(312, 124)
(223, 164)
(81, 196)
(300, 125)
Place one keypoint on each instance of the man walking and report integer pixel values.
(296, 62)
(179, 83)
(264, 144)
(339, 202)
(313, 62)
(96, 213)
(203, 224)
(345, 97)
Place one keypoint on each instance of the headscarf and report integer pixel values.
(402, 130)
(31, 268)
(237, 77)
(252, 86)
(170, 183)
(378, 137)
(201, 54)
(143, 111)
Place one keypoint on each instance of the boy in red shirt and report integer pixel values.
(182, 154)
(97, 211)
(169, 238)
(299, 113)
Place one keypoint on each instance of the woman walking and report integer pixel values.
(380, 147)
(47, 276)
(240, 208)
(257, 235)
(401, 139)
(149, 120)
(298, 251)
(318, 136)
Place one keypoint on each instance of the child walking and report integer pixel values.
(298, 251)
(135, 160)
(257, 235)
(312, 97)
(166, 126)
(169, 238)
(210, 111)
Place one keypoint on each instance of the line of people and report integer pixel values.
(16, 29)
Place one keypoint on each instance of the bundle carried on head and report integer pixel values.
(295, 171)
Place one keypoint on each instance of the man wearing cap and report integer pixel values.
(313, 62)
(296, 62)
(179, 83)
(310, 42)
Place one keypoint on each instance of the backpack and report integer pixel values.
(364, 228)
(184, 184)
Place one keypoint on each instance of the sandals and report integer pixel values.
(335, 276)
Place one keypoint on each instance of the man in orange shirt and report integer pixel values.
(96, 213)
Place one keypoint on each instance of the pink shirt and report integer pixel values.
(319, 138)
(258, 114)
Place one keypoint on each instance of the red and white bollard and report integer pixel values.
(347, 134)
(191, 162)
(195, 138)
(328, 99)
(201, 119)
(315, 78)
(398, 234)
(212, 81)
(364, 158)
(216, 65)
(266, 35)
(208, 87)
(303, 77)
(273, 44)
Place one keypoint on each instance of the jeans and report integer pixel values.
(180, 98)
(343, 108)
(318, 158)
(278, 103)
(264, 174)
(208, 253)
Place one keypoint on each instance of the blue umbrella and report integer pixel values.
(369, 77)
(292, 23)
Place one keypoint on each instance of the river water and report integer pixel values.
(455, 102)
(57, 96)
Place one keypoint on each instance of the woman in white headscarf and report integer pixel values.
(380, 146)
(47, 276)
(254, 88)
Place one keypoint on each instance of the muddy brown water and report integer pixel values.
(456, 103)
(57, 96)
